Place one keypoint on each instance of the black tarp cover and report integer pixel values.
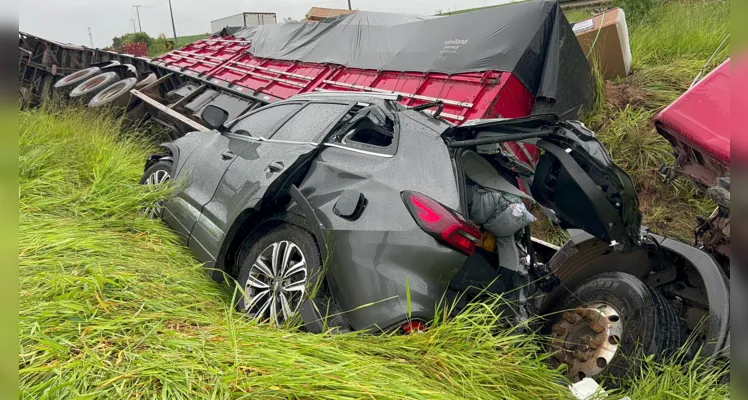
(532, 40)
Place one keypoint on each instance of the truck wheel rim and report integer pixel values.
(111, 91)
(156, 178)
(276, 283)
(77, 76)
(92, 83)
(587, 339)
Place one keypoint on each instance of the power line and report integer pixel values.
(156, 4)
(173, 27)
(137, 10)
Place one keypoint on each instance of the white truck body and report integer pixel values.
(243, 19)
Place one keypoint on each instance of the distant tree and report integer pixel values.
(439, 12)
(140, 37)
(289, 19)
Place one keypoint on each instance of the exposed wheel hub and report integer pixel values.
(276, 284)
(158, 177)
(587, 339)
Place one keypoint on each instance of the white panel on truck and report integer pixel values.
(255, 19)
(231, 21)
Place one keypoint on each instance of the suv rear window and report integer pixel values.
(366, 127)
(262, 123)
(311, 123)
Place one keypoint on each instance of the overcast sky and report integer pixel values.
(68, 20)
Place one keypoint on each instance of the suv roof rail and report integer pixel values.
(339, 93)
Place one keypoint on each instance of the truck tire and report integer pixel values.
(90, 87)
(609, 323)
(67, 83)
(146, 81)
(116, 95)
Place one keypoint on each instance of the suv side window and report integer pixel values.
(263, 122)
(368, 128)
(311, 123)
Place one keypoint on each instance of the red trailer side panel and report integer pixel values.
(466, 96)
(472, 95)
(701, 116)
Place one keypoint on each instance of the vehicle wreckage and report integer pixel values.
(372, 195)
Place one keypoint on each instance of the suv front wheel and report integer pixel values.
(157, 174)
(280, 270)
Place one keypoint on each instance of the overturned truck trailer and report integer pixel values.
(503, 62)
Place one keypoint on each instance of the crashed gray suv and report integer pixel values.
(351, 205)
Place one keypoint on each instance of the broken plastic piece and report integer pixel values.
(587, 389)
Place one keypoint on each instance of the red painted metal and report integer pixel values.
(470, 95)
(701, 116)
(466, 96)
(204, 55)
(697, 124)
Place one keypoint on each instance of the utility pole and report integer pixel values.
(137, 10)
(173, 27)
(90, 38)
(134, 30)
(349, 5)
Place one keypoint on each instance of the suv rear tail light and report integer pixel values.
(444, 224)
(414, 326)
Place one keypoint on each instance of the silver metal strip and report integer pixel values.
(453, 116)
(411, 95)
(169, 112)
(370, 153)
(336, 93)
(544, 243)
(226, 41)
(275, 71)
(266, 77)
(199, 55)
(196, 60)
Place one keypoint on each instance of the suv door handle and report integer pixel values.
(227, 155)
(275, 166)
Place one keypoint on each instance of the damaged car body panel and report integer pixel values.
(574, 176)
(373, 242)
(382, 250)
(383, 192)
(249, 169)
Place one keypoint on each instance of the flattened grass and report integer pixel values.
(113, 306)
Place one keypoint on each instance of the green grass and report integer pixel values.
(577, 14)
(158, 46)
(113, 306)
(670, 45)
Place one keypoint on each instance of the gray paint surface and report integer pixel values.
(375, 259)
(374, 256)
